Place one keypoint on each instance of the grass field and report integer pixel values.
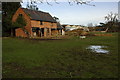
(25, 58)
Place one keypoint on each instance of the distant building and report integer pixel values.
(73, 27)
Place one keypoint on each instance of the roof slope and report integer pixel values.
(39, 15)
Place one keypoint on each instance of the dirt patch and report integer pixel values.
(103, 34)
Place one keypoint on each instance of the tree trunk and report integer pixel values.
(11, 32)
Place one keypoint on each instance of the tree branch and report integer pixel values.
(48, 3)
(33, 2)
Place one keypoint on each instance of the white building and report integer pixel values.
(73, 27)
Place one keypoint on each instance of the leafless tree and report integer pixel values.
(112, 23)
(113, 17)
(71, 2)
(80, 2)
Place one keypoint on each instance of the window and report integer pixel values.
(20, 14)
(33, 29)
(41, 23)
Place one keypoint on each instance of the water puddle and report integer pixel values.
(98, 49)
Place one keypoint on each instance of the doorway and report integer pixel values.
(42, 32)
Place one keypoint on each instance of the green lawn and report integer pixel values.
(24, 58)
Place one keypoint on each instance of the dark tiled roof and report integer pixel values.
(39, 15)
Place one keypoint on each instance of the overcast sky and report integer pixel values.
(80, 14)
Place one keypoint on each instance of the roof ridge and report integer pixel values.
(39, 15)
(36, 10)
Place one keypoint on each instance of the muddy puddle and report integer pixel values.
(98, 49)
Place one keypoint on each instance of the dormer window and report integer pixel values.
(41, 23)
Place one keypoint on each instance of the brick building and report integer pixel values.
(38, 24)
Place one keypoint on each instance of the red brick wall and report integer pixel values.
(20, 33)
(27, 18)
(54, 32)
(45, 24)
(30, 24)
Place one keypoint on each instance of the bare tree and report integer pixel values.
(56, 18)
(31, 3)
(32, 6)
(112, 23)
(113, 17)
(80, 2)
